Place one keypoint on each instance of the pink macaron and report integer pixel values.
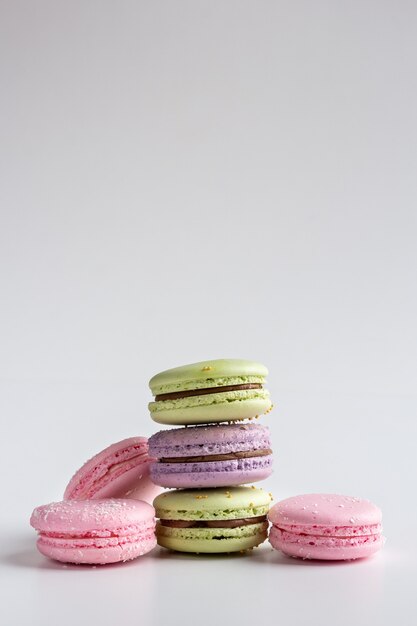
(94, 531)
(326, 526)
(119, 471)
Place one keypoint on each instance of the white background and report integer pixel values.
(196, 179)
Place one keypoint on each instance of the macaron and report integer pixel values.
(326, 526)
(119, 471)
(211, 456)
(212, 520)
(210, 391)
(94, 531)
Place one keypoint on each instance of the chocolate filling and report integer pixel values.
(177, 395)
(225, 523)
(246, 454)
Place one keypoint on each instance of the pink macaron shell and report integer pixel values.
(325, 548)
(93, 555)
(135, 483)
(81, 516)
(325, 510)
(121, 470)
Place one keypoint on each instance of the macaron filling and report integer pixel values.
(233, 523)
(130, 530)
(287, 539)
(327, 536)
(202, 392)
(230, 456)
(98, 539)
(218, 397)
(212, 539)
(331, 531)
(204, 383)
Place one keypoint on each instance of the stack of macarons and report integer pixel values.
(218, 449)
(107, 516)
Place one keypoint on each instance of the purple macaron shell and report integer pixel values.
(203, 440)
(212, 473)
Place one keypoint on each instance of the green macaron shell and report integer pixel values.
(212, 540)
(213, 407)
(207, 374)
(212, 504)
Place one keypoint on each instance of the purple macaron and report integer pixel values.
(211, 456)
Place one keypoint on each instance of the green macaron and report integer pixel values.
(212, 520)
(210, 391)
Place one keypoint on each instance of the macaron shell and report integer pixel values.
(120, 470)
(73, 516)
(204, 440)
(205, 370)
(212, 473)
(325, 510)
(325, 548)
(236, 409)
(204, 539)
(212, 504)
(97, 556)
(136, 484)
